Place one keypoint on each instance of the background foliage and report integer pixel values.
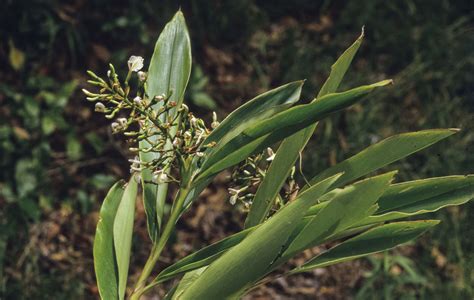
(57, 159)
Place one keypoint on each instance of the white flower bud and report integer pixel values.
(135, 63)
(160, 97)
(137, 100)
(115, 127)
(141, 76)
(109, 73)
(271, 154)
(99, 107)
(233, 199)
(199, 154)
(122, 122)
(177, 142)
(214, 123)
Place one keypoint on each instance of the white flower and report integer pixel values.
(137, 100)
(135, 63)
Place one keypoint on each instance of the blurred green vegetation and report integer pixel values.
(57, 157)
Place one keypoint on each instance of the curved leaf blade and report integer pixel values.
(122, 233)
(259, 108)
(383, 153)
(374, 240)
(417, 197)
(104, 255)
(349, 206)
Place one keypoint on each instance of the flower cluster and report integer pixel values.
(247, 176)
(151, 124)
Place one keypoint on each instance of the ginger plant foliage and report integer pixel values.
(172, 146)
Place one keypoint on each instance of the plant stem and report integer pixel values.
(158, 247)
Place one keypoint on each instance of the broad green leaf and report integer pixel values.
(168, 73)
(372, 241)
(411, 198)
(275, 178)
(122, 233)
(187, 280)
(350, 205)
(247, 261)
(292, 146)
(383, 153)
(202, 257)
(283, 125)
(104, 255)
(257, 109)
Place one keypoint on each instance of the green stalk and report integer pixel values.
(158, 247)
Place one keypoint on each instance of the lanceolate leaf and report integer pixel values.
(250, 259)
(411, 198)
(257, 109)
(122, 233)
(202, 257)
(349, 206)
(285, 124)
(372, 241)
(292, 146)
(104, 255)
(383, 153)
(168, 74)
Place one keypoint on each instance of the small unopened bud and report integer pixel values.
(187, 136)
(137, 100)
(89, 93)
(159, 97)
(160, 176)
(214, 123)
(233, 199)
(109, 73)
(141, 76)
(199, 154)
(177, 142)
(115, 127)
(271, 154)
(173, 103)
(193, 121)
(99, 107)
(122, 122)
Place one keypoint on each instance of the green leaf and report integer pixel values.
(247, 261)
(168, 73)
(372, 241)
(292, 146)
(186, 281)
(350, 205)
(259, 108)
(170, 65)
(202, 257)
(122, 233)
(383, 153)
(411, 198)
(275, 177)
(283, 125)
(339, 68)
(104, 255)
